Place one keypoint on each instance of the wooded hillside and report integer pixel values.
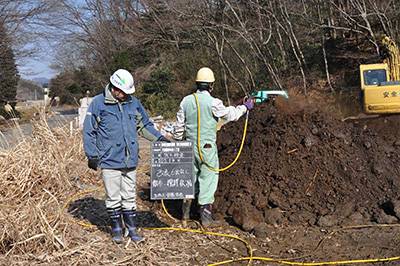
(303, 45)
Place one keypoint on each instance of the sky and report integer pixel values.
(38, 64)
(36, 68)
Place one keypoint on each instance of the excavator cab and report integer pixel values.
(380, 95)
(380, 83)
(374, 76)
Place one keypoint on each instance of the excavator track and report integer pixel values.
(367, 116)
(360, 117)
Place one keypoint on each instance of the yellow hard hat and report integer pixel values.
(205, 75)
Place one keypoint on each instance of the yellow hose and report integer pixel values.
(166, 212)
(198, 140)
(307, 263)
(248, 246)
(203, 232)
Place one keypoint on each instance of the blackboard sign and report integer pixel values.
(172, 170)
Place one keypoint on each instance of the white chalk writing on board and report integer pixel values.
(172, 170)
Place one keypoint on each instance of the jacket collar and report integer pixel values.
(109, 98)
(203, 92)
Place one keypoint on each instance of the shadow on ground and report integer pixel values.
(94, 212)
(174, 207)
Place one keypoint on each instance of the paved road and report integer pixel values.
(10, 136)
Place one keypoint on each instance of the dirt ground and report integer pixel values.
(304, 173)
(307, 188)
(304, 182)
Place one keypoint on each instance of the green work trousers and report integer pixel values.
(207, 180)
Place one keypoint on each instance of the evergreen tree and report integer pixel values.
(8, 71)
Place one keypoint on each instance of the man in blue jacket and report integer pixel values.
(112, 123)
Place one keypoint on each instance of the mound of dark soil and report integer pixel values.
(307, 167)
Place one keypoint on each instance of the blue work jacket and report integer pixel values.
(110, 131)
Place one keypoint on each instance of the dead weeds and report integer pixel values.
(52, 211)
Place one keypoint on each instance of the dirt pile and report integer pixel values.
(307, 167)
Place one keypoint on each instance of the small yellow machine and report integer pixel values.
(380, 83)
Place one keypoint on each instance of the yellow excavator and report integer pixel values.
(380, 83)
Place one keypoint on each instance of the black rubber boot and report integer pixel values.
(116, 225)
(130, 224)
(206, 215)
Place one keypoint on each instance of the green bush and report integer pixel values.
(70, 86)
(130, 58)
(160, 82)
(157, 94)
(160, 104)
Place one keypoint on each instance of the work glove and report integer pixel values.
(162, 138)
(249, 103)
(93, 163)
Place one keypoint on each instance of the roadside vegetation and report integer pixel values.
(302, 46)
(301, 173)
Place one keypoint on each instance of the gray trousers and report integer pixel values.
(120, 186)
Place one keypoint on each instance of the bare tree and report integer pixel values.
(248, 40)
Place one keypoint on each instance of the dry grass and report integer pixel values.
(43, 200)
(34, 186)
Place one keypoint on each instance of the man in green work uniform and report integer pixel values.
(211, 109)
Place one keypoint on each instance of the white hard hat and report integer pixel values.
(205, 75)
(123, 80)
